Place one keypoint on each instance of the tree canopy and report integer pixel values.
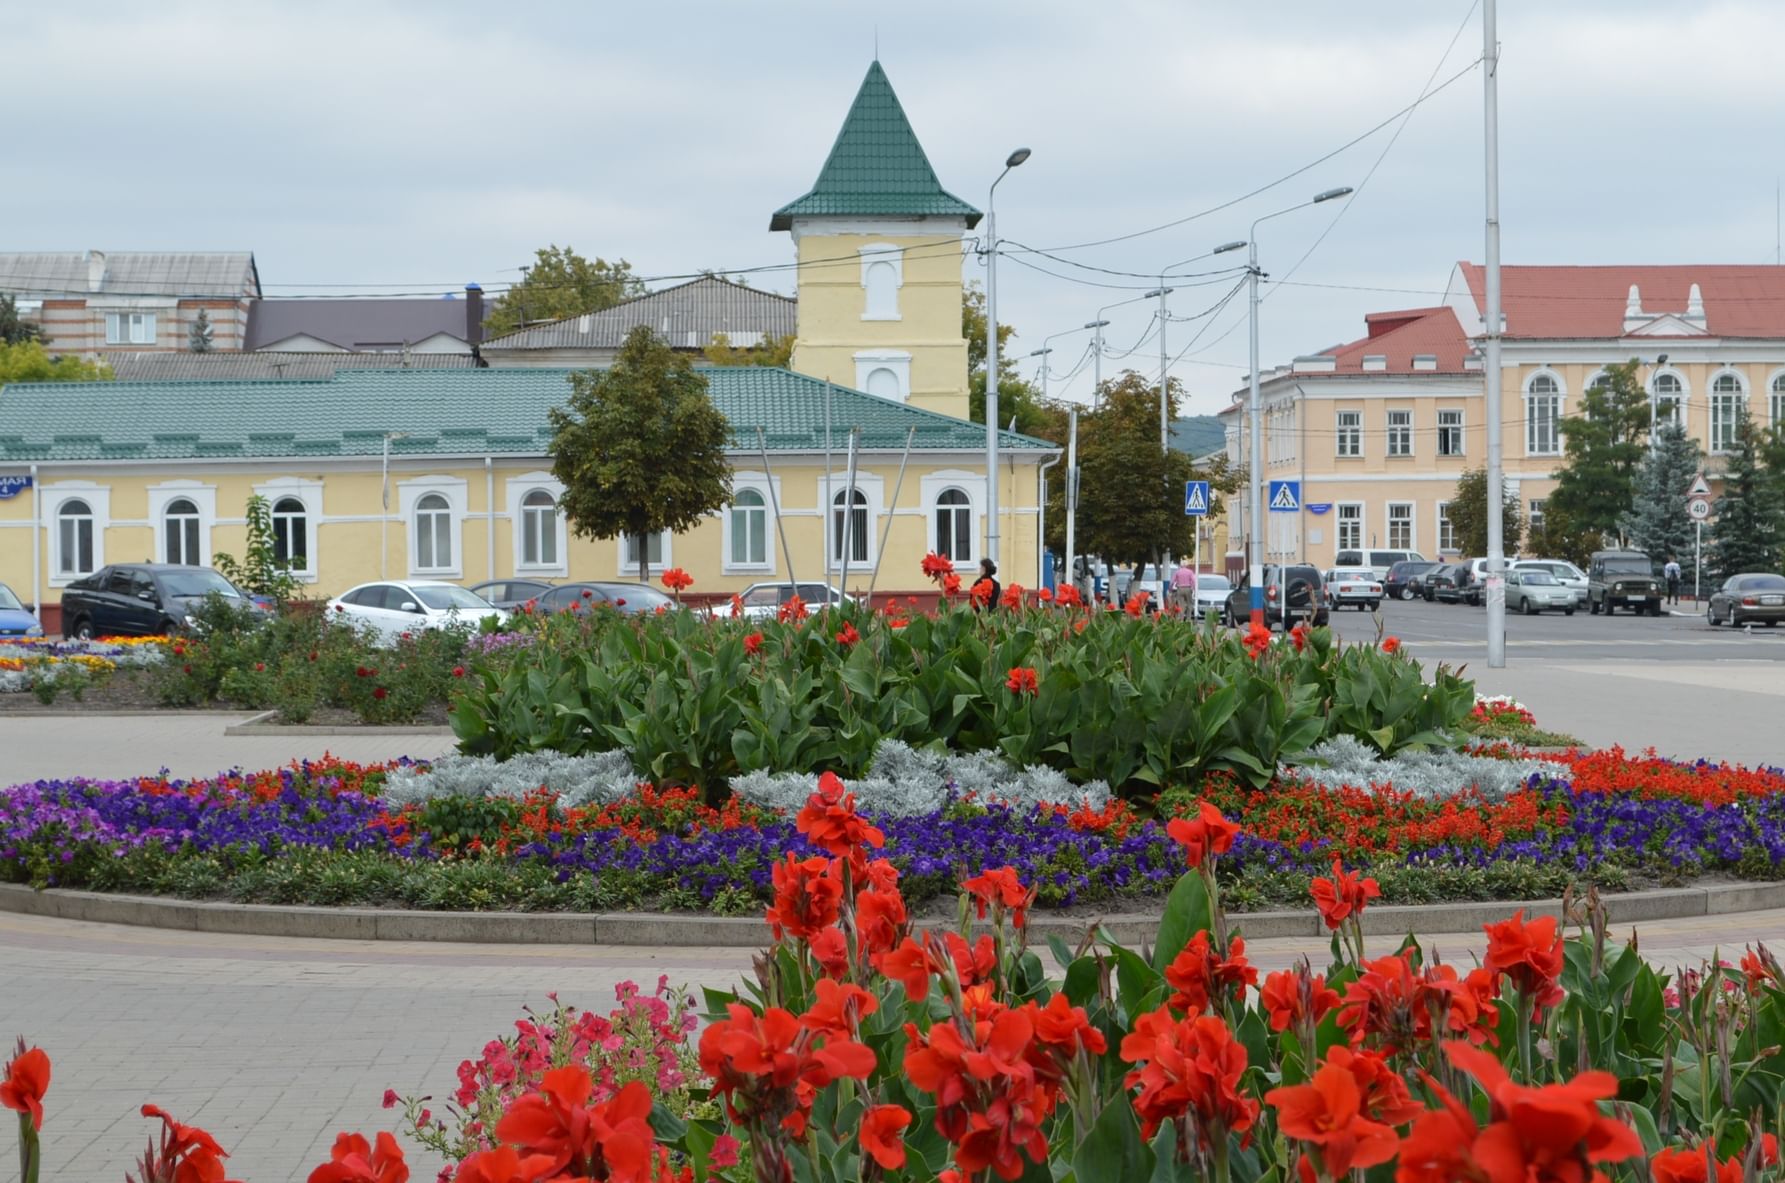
(1657, 522)
(29, 361)
(1017, 398)
(641, 448)
(559, 284)
(14, 328)
(1604, 443)
(1746, 535)
(1468, 514)
(774, 351)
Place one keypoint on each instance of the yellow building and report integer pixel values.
(1379, 430)
(139, 471)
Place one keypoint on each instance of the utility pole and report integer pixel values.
(991, 355)
(1071, 497)
(1164, 419)
(1097, 358)
(1490, 364)
(1042, 354)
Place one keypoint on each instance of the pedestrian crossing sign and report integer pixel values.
(1286, 496)
(1196, 498)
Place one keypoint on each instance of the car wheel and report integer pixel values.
(1769, 623)
(82, 630)
(1568, 612)
(1593, 607)
(1375, 606)
(1655, 609)
(1528, 608)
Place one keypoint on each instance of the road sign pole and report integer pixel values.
(1697, 559)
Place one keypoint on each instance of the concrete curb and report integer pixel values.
(685, 931)
(258, 725)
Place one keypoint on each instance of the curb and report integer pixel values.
(684, 931)
(258, 725)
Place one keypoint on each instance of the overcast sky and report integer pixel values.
(416, 146)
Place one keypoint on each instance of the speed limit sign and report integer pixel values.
(1699, 508)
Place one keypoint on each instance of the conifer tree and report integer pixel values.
(1657, 522)
(1747, 532)
(198, 335)
(1604, 443)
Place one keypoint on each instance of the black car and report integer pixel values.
(1445, 583)
(1402, 582)
(1757, 597)
(625, 597)
(509, 594)
(1306, 598)
(143, 600)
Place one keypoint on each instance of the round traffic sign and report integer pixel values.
(1699, 508)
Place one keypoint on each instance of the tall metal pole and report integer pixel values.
(849, 512)
(1097, 358)
(991, 357)
(1164, 367)
(775, 506)
(1042, 354)
(1071, 495)
(886, 526)
(1255, 493)
(1491, 377)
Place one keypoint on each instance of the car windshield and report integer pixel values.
(1751, 583)
(1215, 583)
(1632, 565)
(1364, 575)
(817, 593)
(1537, 579)
(197, 583)
(630, 597)
(443, 597)
(8, 600)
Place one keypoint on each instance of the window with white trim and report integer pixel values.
(180, 528)
(433, 533)
(954, 526)
(1450, 433)
(1534, 518)
(1543, 414)
(655, 544)
(539, 529)
(130, 328)
(1447, 534)
(291, 534)
(1400, 525)
(1729, 406)
(1670, 398)
(1351, 525)
(882, 275)
(1350, 433)
(749, 529)
(1776, 418)
(1400, 433)
(850, 525)
(74, 538)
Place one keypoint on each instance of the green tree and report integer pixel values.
(562, 283)
(1558, 536)
(776, 351)
(14, 328)
(1017, 398)
(1468, 514)
(1658, 523)
(1604, 443)
(641, 448)
(260, 569)
(1748, 530)
(29, 361)
(198, 335)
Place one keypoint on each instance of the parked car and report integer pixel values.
(1758, 597)
(630, 598)
(762, 600)
(1402, 580)
(143, 600)
(1378, 561)
(391, 608)
(1531, 591)
(1306, 602)
(1472, 582)
(1356, 586)
(1146, 582)
(1442, 584)
(1622, 578)
(1211, 593)
(510, 594)
(15, 619)
(1566, 574)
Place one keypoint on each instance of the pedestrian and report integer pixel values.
(1671, 572)
(1183, 588)
(985, 590)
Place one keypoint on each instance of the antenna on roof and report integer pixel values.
(876, 42)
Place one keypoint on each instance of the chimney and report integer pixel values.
(95, 271)
(473, 314)
(1695, 306)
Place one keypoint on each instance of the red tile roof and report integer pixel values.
(1572, 302)
(1398, 336)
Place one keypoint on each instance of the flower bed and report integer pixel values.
(325, 833)
(49, 669)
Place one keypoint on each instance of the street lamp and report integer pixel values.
(991, 357)
(1042, 354)
(1255, 528)
(1164, 363)
(384, 499)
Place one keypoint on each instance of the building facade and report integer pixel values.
(1379, 430)
(94, 304)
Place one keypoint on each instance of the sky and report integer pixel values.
(386, 146)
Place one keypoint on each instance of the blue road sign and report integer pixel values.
(1286, 497)
(1196, 498)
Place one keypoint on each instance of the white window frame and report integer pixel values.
(770, 489)
(1400, 434)
(309, 495)
(203, 498)
(1534, 514)
(538, 512)
(99, 508)
(1388, 524)
(182, 533)
(883, 255)
(1560, 396)
(1679, 397)
(896, 362)
(1738, 411)
(1452, 437)
(1351, 433)
(1775, 386)
(129, 328)
(1340, 521)
(627, 564)
(737, 517)
(973, 485)
(515, 490)
(870, 486)
(409, 495)
(1446, 527)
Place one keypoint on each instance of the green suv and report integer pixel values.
(1622, 578)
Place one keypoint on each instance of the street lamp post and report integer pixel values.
(1255, 537)
(384, 500)
(991, 355)
(1097, 354)
(1042, 354)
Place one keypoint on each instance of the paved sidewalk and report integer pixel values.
(274, 1045)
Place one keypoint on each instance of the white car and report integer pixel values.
(1566, 574)
(391, 608)
(1211, 594)
(1354, 585)
(763, 600)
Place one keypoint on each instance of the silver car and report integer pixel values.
(1566, 573)
(1531, 591)
(1211, 593)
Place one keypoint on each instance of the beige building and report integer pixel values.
(1380, 429)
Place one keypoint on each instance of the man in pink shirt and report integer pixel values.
(1183, 588)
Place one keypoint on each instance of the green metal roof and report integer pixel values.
(876, 167)
(499, 412)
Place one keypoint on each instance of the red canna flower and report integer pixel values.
(1257, 640)
(609, 1140)
(767, 1067)
(830, 948)
(1135, 605)
(503, 1164)
(829, 820)
(186, 1154)
(847, 636)
(935, 566)
(793, 609)
(676, 580)
(1068, 596)
(880, 920)
(1343, 896)
(1065, 1028)
(1044, 596)
(1204, 836)
(1189, 1069)
(808, 897)
(1288, 1002)
(354, 1160)
(1327, 1113)
(1692, 1164)
(1299, 635)
(380, 693)
(882, 1134)
(951, 584)
(1201, 977)
(1530, 955)
(999, 890)
(1391, 644)
(838, 1009)
(1022, 680)
(909, 965)
(753, 644)
(458, 671)
(1392, 1006)
(990, 1102)
(980, 593)
(27, 1080)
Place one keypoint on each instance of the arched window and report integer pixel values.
(954, 526)
(1670, 398)
(180, 526)
(1777, 408)
(291, 534)
(539, 529)
(74, 538)
(433, 533)
(850, 523)
(884, 383)
(1543, 415)
(881, 266)
(749, 529)
(1729, 406)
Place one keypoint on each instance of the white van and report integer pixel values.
(1376, 561)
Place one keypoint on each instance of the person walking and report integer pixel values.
(1183, 589)
(985, 590)
(1671, 572)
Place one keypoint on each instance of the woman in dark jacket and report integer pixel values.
(985, 590)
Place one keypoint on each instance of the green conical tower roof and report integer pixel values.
(876, 167)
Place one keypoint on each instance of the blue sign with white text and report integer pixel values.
(1196, 498)
(12, 486)
(1286, 497)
